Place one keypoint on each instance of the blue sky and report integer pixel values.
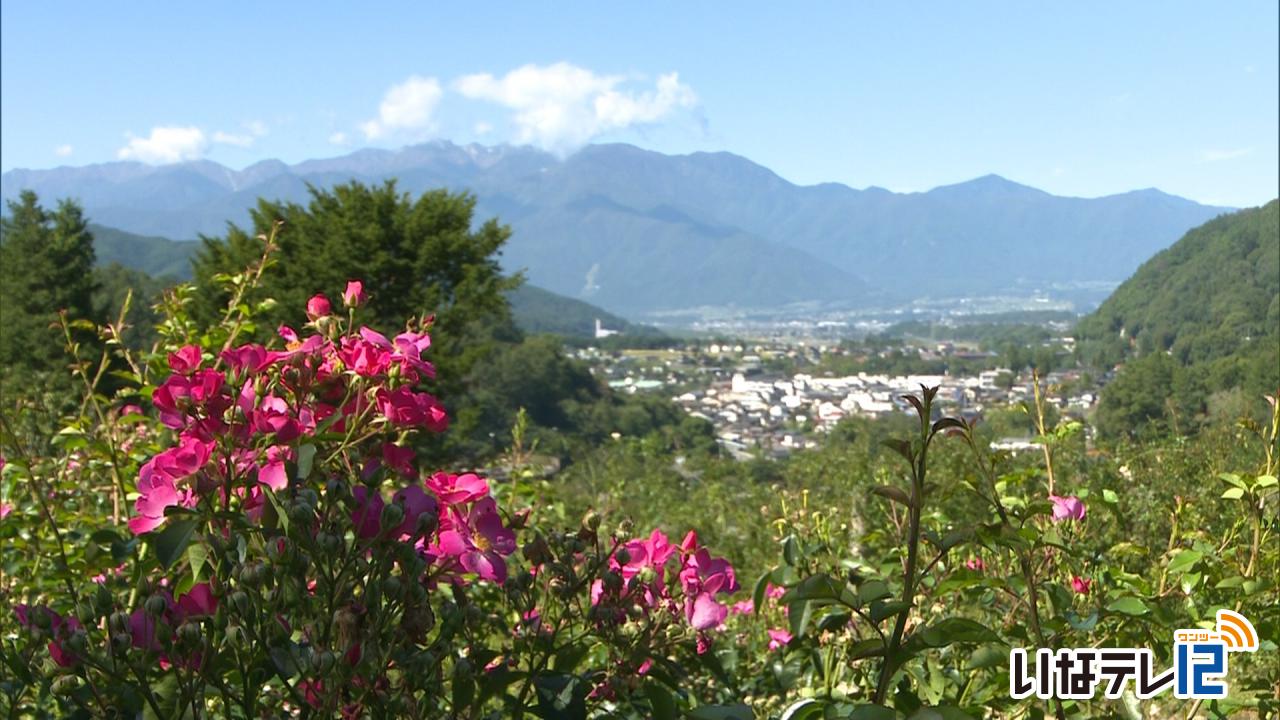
(1075, 98)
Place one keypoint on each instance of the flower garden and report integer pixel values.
(230, 529)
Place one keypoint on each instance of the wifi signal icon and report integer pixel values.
(1236, 632)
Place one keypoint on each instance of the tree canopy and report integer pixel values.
(46, 264)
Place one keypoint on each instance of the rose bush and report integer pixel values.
(285, 552)
(229, 529)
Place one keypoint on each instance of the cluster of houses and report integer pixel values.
(758, 413)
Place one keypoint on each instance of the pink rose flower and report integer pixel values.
(405, 408)
(354, 295)
(778, 639)
(479, 541)
(455, 489)
(1067, 508)
(186, 360)
(318, 307)
(1081, 585)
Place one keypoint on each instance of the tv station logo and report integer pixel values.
(1199, 666)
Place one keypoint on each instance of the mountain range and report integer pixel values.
(639, 232)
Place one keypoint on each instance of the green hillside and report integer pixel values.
(542, 311)
(1196, 322)
(156, 256)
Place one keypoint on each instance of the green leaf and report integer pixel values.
(1086, 624)
(799, 613)
(895, 494)
(660, 701)
(281, 514)
(947, 422)
(1128, 606)
(873, 590)
(954, 630)
(1110, 497)
(988, 656)
(791, 550)
(902, 447)
(184, 585)
(1266, 481)
(464, 688)
(814, 587)
(171, 542)
(306, 457)
(807, 709)
(1234, 493)
(757, 594)
(1233, 479)
(105, 536)
(167, 695)
(871, 647)
(197, 555)
(1184, 561)
(882, 610)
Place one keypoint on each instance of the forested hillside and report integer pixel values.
(1196, 322)
(153, 255)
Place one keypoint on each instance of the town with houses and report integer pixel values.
(770, 399)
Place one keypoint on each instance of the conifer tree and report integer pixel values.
(46, 266)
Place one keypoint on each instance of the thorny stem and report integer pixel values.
(91, 395)
(1040, 426)
(919, 468)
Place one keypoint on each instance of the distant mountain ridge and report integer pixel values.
(638, 231)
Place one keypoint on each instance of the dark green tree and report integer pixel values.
(114, 282)
(416, 256)
(46, 264)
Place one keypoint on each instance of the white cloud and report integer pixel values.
(63, 150)
(406, 108)
(1216, 155)
(338, 138)
(483, 128)
(166, 144)
(561, 107)
(254, 129)
(224, 138)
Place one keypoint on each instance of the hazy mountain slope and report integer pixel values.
(535, 310)
(541, 311)
(620, 258)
